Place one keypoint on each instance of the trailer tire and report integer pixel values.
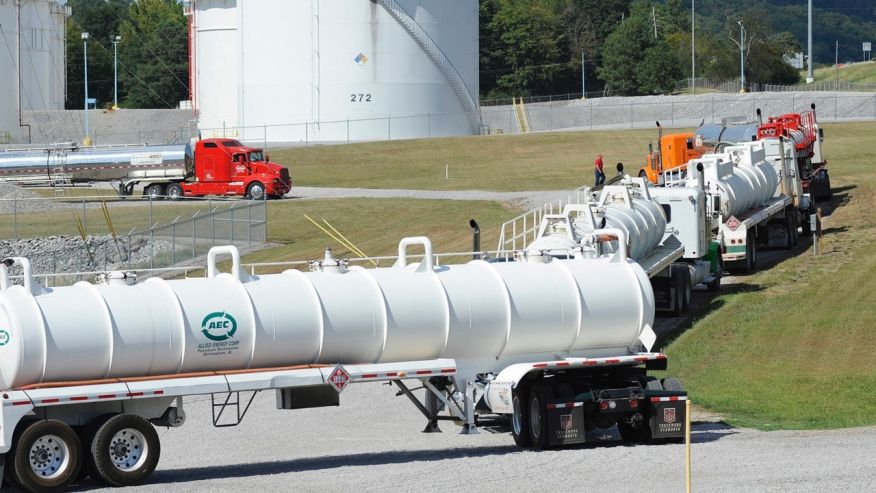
(519, 418)
(677, 291)
(537, 411)
(125, 451)
(788, 224)
(174, 191)
(47, 456)
(155, 191)
(673, 384)
(795, 223)
(715, 284)
(255, 191)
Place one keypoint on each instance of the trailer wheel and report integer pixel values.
(795, 234)
(174, 191)
(47, 456)
(155, 191)
(538, 416)
(676, 282)
(125, 451)
(255, 190)
(519, 421)
(685, 289)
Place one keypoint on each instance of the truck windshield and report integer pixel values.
(255, 156)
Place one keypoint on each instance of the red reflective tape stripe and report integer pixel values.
(588, 362)
(641, 359)
(448, 370)
(20, 403)
(562, 363)
(424, 372)
(369, 375)
(159, 392)
(540, 365)
(551, 406)
(79, 398)
(50, 401)
(392, 374)
(612, 361)
(661, 356)
(106, 396)
(135, 394)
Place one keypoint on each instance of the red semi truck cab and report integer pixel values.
(227, 167)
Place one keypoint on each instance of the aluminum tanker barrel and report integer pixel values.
(631, 210)
(96, 163)
(712, 134)
(482, 314)
(741, 176)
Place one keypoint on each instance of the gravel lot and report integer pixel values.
(373, 443)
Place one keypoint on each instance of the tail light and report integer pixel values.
(603, 405)
(634, 403)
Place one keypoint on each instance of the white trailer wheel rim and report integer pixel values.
(49, 457)
(516, 421)
(128, 450)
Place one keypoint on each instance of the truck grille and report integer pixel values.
(284, 176)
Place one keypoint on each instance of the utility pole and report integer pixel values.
(693, 52)
(87, 140)
(115, 40)
(741, 56)
(809, 77)
(583, 77)
(654, 19)
(836, 66)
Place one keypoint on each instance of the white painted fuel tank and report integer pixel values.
(485, 315)
(627, 207)
(339, 70)
(740, 175)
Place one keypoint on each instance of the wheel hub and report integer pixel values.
(128, 449)
(49, 456)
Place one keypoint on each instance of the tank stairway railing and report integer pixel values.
(437, 55)
(522, 117)
(515, 234)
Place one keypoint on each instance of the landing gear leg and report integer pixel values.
(432, 407)
(469, 427)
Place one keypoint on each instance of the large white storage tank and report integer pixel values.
(43, 54)
(8, 80)
(335, 70)
(32, 60)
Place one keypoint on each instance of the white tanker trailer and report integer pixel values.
(667, 233)
(754, 197)
(69, 164)
(561, 346)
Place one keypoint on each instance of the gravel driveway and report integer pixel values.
(372, 442)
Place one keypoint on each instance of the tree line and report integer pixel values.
(152, 53)
(623, 47)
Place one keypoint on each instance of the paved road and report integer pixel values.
(372, 442)
(527, 199)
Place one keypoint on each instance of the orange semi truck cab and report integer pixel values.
(675, 150)
(227, 167)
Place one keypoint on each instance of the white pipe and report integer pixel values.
(235, 260)
(403, 245)
(606, 234)
(26, 271)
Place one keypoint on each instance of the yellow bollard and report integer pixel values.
(687, 446)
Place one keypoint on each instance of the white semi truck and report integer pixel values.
(754, 197)
(559, 346)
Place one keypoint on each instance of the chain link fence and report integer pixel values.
(88, 234)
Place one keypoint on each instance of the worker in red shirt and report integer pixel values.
(600, 175)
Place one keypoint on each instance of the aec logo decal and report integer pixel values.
(4, 338)
(219, 326)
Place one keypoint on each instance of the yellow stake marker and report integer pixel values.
(687, 446)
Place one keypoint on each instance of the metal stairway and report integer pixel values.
(439, 59)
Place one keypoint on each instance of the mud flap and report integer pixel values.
(667, 418)
(565, 424)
